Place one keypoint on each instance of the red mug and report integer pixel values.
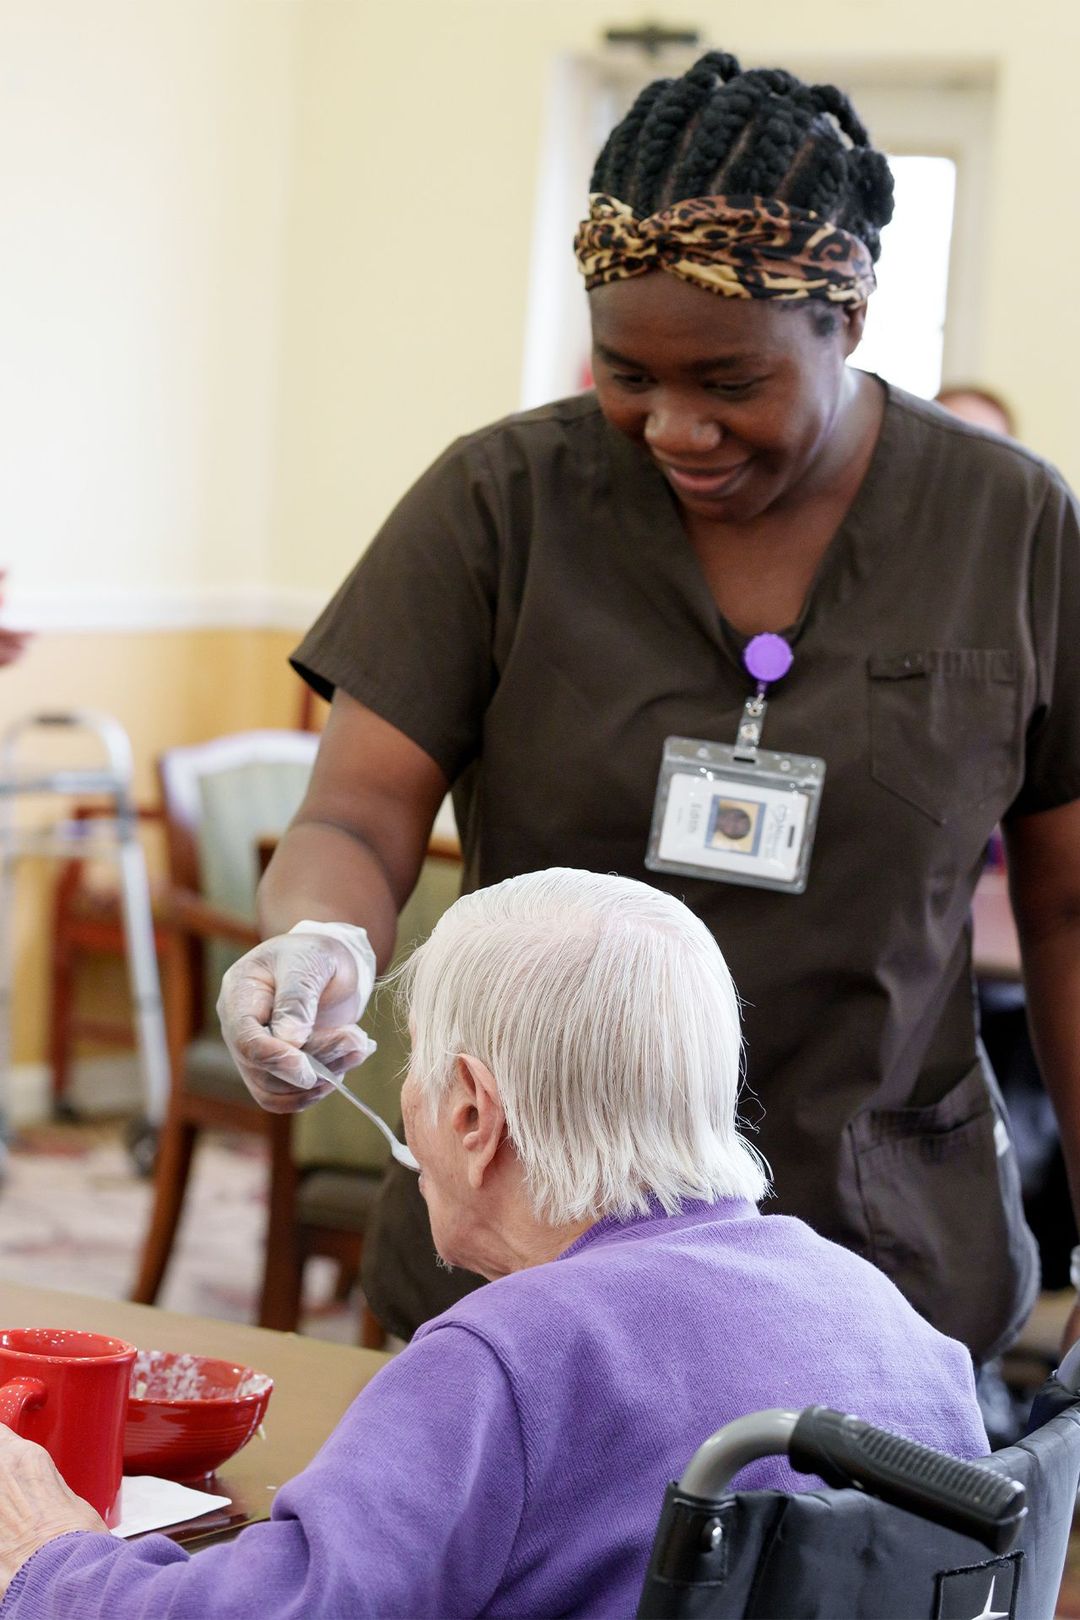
(69, 1392)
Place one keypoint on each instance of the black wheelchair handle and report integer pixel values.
(964, 1496)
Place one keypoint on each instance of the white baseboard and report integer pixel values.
(102, 1085)
(235, 607)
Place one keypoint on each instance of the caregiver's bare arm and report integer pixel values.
(352, 855)
(1044, 883)
(354, 850)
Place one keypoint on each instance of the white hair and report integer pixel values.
(608, 1018)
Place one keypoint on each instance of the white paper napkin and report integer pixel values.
(147, 1503)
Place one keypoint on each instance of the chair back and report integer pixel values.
(219, 797)
(841, 1551)
(335, 1135)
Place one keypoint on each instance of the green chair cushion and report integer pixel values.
(239, 805)
(335, 1133)
(339, 1199)
(210, 1072)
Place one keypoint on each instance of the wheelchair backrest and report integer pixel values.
(845, 1555)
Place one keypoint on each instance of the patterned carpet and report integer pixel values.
(73, 1212)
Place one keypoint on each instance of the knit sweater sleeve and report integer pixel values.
(410, 1508)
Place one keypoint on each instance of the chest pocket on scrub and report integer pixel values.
(942, 726)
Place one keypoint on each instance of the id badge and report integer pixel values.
(735, 819)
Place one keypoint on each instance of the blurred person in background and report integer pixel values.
(982, 407)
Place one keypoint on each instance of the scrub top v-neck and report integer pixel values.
(656, 523)
(534, 617)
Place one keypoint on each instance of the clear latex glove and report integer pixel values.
(306, 988)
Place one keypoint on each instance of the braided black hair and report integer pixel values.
(762, 133)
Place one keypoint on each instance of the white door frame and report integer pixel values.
(947, 112)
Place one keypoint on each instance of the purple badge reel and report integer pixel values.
(739, 813)
(768, 658)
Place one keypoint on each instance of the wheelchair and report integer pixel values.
(901, 1532)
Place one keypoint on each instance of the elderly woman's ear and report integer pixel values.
(476, 1117)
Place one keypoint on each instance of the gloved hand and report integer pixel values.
(306, 988)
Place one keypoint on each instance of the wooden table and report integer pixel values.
(314, 1383)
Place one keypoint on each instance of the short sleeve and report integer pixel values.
(1052, 753)
(409, 633)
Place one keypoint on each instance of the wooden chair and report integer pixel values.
(86, 923)
(225, 804)
(338, 1157)
(217, 798)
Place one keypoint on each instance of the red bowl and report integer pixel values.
(189, 1414)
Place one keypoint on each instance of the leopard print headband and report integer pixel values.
(764, 250)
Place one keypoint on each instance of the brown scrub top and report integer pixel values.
(533, 616)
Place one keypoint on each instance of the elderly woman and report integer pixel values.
(571, 1102)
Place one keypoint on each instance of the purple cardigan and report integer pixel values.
(512, 1461)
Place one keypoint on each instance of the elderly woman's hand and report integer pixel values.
(35, 1504)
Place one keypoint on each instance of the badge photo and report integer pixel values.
(721, 817)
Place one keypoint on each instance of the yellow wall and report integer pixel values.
(165, 688)
(418, 127)
(264, 258)
(145, 182)
(144, 185)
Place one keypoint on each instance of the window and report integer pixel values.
(924, 321)
(904, 338)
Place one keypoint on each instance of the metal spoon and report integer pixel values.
(398, 1149)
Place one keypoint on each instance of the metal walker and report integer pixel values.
(115, 836)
